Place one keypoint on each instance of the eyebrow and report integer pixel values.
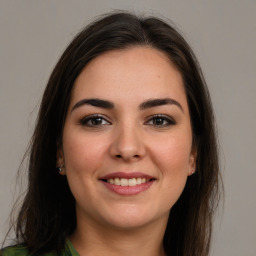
(159, 102)
(110, 105)
(94, 102)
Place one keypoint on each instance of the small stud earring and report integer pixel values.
(60, 168)
(193, 171)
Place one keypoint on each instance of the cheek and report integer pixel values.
(172, 160)
(83, 157)
(82, 153)
(172, 156)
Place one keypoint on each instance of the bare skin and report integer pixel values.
(98, 240)
(128, 115)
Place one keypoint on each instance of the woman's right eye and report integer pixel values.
(94, 121)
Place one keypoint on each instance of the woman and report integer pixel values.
(123, 159)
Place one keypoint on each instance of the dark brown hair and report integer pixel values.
(47, 216)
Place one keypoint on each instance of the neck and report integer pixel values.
(92, 239)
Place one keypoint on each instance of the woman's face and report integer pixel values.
(127, 140)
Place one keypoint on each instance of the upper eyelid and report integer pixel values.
(87, 118)
(166, 118)
(95, 115)
(161, 116)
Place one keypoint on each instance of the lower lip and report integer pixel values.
(128, 190)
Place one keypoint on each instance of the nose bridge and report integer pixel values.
(128, 142)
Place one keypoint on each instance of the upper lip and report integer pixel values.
(126, 175)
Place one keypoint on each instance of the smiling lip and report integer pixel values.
(126, 175)
(128, 189)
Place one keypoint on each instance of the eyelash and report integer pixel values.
(85, 121)
(166, 121)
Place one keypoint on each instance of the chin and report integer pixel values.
(128, 224)
(131, 218)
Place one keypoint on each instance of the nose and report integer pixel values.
(127, 144)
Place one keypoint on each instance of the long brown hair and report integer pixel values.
(47, 216)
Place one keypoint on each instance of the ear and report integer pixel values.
(60, 164)
(192, 161)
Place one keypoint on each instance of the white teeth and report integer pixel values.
(124, 182)
(128, 182)
(132, 182)
(117, 181)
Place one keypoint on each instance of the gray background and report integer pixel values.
(222, 33)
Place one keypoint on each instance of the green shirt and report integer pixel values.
(20, 250)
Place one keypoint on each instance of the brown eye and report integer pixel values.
(94, 121)
(160, 121)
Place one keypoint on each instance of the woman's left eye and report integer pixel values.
(160, 121)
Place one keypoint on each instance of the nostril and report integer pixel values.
(120, 156)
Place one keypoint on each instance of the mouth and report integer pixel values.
(127, 183)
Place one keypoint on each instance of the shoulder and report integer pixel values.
(21, 250)
(14, 250)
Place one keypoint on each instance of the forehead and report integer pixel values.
(129, 74)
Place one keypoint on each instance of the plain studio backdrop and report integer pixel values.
(33, 34)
